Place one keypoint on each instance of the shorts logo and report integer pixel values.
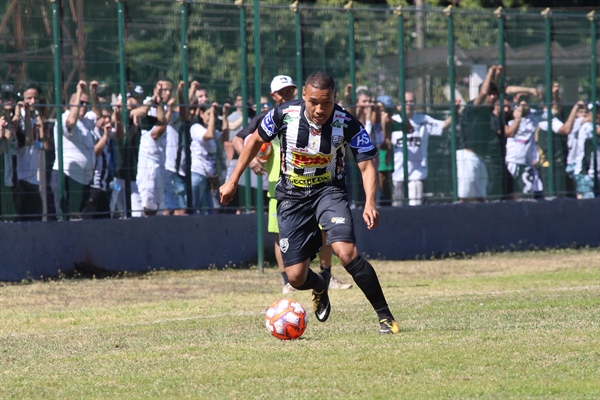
(362, 142)
(338, 220)
(284, 245)
(307, 161)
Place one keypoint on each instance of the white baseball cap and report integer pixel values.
(280, 82)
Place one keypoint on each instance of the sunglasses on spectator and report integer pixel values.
(83, 103)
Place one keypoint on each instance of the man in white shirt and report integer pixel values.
(78, 154)
(580, 162)
(420, 127)
(153, 142)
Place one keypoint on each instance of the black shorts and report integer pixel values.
(299, 220)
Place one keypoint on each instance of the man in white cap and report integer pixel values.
(283, 89)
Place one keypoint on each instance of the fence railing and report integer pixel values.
(439, 55)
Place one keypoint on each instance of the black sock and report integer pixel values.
(366, 279)
(285, 279)
(313, 281)
(326, 268)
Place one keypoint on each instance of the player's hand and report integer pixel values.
(256, 165)
(227, 191)
(371, 216)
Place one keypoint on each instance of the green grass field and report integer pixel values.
(510, 325)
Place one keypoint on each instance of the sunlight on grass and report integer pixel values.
(509, 325)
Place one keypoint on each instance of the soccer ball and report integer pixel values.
(265, 149)
(286, 319)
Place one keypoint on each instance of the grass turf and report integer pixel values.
(510, 325)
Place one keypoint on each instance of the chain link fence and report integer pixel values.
(57, 44)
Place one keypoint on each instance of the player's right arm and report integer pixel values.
(249, 151)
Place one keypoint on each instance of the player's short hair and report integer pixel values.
(320, 80)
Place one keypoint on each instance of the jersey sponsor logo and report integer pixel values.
(308, 161)
(338, 124)
(288, 119)
(299, 150)
(284, 245)
(291, 110)
(337, 140)
(306, 181)
(341, 116)
(338, 220)
(268, 125)
(362, 142)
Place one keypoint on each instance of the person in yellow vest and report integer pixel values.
(282, 90)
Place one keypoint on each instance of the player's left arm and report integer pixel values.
(369, 178)
(364, 151)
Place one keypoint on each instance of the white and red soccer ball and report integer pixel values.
(265, 149)
(286, 319)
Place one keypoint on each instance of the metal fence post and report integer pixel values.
(351, 50)
(58, 101)
(501, 60)
(184, 132)
(122, 86)
(402, 99)
(352, 72)
(548, 38)
(298, 31)
(593, 36)
(501, 94)
(451, 83)
(259, 181)
(244, 69)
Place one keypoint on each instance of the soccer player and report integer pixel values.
(283, 89)
(311, 191)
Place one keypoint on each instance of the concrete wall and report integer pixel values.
(32, 250)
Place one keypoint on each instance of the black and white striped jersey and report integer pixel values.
(312, 156)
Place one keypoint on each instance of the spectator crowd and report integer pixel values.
(173, 152)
